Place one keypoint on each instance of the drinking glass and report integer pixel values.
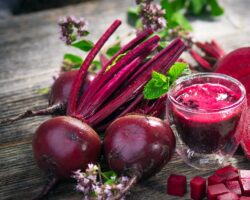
(206, 137)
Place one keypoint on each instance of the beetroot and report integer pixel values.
(228, 168)
(138, 145)
(213, 191)
(227, 196)
(60, 90)
(198, 188)
(234, 186)
(244, 173)
(245, 186)
(177, 185)
(215, 179)
(59, 95)
(229, 176)
(64, 144)
(244, 198)
(237, 65)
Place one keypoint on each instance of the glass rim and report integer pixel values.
(212, 75)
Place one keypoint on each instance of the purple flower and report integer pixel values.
(72, 29)
(152, 16)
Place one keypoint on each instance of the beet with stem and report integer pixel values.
(138, 146)
(58, 97)
(117, 88)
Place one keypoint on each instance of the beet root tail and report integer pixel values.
(52, 181)
(54, 109)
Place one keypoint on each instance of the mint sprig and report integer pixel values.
(160, 83)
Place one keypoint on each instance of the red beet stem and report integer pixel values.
(128, 92)
(141, 49)
(92, 88)
(72, 103)
(200, 60)
(210, 49)
(111, 86)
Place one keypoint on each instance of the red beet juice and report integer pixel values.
(205, 112)
(206, 133)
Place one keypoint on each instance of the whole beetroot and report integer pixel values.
(138, 145)
(62, 149)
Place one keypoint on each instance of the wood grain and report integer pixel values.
(31, 53)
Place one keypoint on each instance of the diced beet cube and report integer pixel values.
(228, 168)
(177, 185)
(230, 175)
(245, 186)
(213, 191)
(244, 198)
(198, 188)
(244, 173)
(228, 196)
(214, 179)
(234, 186)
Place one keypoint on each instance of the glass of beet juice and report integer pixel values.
(206, 112)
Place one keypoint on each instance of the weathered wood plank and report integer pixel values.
(30, 53)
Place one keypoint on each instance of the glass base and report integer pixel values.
(202, 161)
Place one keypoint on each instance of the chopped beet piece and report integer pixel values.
(234, 186)
(244, 174)
(198, 188)
(213, 191)
(214, 179)
(228, 196)
(245, 186)
(244, 198)
(229, 175)
(177, 185)
(228, 168)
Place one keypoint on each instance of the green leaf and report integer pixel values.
(178, 4)
(197, 6)
(163, 44)
(43, 91)
(96, 66)
(110, 177)
(157, 86)
(84, 45)
(133, 16)
(166, 5)
(216, 9)
(181, 20)
(73, 58)
(113, 50)
(176, 70)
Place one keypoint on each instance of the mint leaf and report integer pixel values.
(160, 83)
(84, 45)
(113, 50)
(176, 70)
(216, 9)
(157, 86)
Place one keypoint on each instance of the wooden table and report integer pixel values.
(30, 53)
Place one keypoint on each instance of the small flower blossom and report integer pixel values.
(143, 1)
(93, 189)
(152, 16)
(72, 29)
